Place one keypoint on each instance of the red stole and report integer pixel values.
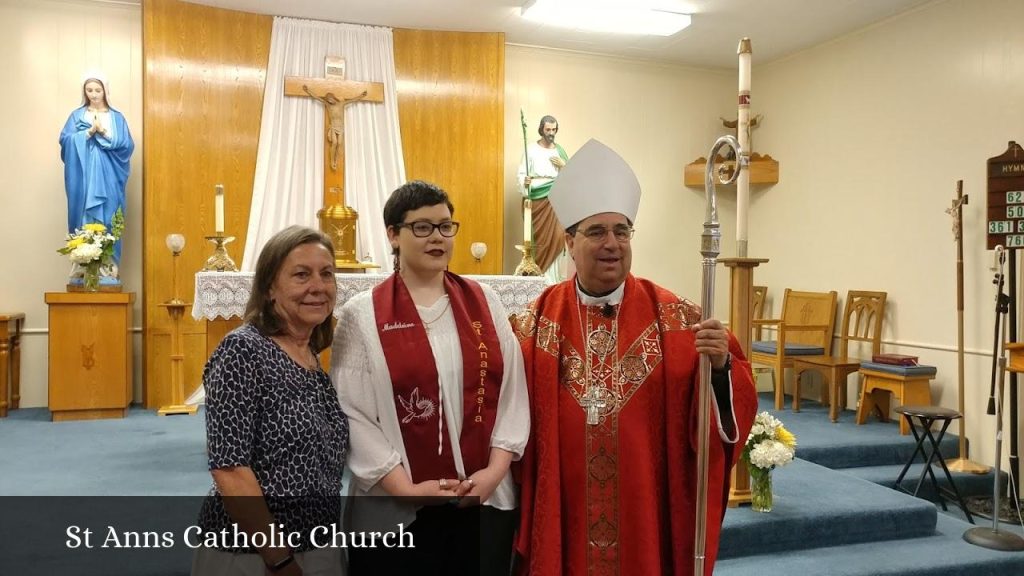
(620, 496)
(415, 382)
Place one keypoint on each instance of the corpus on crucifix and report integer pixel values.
(335, 93)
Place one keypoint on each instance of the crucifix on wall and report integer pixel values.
(335, 93)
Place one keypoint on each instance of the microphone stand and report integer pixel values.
(992, 538)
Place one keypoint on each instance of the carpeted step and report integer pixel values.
(942, 552)
(968, 484)
(845, 444)
(816, 507)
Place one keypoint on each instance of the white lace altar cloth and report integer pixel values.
(224, 294)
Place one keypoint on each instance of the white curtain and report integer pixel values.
(288, 188)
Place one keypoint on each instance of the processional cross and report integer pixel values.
(335, 93)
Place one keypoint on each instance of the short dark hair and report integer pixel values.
(413, 196)
(259, 311)
(547, 119)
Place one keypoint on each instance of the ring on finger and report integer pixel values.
(442, 483)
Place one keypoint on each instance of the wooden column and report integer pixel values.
(741, 311)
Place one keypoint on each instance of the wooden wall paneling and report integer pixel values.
(205, 70)
(451, 98)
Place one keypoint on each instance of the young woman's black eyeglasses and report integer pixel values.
(422, 228)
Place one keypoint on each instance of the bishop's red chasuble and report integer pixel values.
(616, 496)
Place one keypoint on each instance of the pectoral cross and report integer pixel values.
(594, 401)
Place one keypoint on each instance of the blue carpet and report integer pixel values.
(850, 521)
(143, 454)
(814, 507)
(843, 521)
(944, 553)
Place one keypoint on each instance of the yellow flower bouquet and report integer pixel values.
(92, 246)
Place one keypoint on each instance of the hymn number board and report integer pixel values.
(1006, 199)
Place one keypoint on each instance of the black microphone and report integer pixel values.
(607, 310)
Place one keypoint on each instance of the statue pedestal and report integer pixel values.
(90, 353)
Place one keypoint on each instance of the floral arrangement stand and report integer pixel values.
(91, 250)
(769, 445)
(90, 354)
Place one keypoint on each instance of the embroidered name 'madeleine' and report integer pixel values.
(388, 326)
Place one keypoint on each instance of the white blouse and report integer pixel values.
(360, 375)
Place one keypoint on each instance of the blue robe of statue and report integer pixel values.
(95, 170)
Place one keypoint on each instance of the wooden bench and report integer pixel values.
(909, 388)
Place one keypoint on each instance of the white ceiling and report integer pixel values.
(776, 28)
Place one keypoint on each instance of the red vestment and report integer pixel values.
(619, 497)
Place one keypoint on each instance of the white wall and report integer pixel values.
(872, 132)
(658, 117)
(47, 46)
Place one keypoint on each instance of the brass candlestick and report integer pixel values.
(528, 266)
(219, 261)
(176, 308)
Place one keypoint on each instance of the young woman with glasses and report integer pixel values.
(431, 376)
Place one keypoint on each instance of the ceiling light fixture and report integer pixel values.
(613, 16)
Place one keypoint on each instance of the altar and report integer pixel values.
(220, 299)
(223, 295)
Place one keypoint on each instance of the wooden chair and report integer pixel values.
(805, 329)
(760, 295)
(757, 313)
(863, 316)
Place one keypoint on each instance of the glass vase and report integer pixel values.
(760, 489)
(91, 276)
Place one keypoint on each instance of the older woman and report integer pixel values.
(275, 431)
(431, 377)
(96, 148)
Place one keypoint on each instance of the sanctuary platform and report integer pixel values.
(836, 510)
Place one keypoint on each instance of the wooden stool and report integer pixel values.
(926, 416)
(10, 347)
(908, 389)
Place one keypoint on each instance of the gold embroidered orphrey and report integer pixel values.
(641, 358)
(597, 379)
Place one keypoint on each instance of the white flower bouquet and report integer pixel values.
(769, 444)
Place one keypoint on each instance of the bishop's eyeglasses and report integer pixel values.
(422, 228)
(622, 233)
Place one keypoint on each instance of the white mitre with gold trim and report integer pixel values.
(595, 180)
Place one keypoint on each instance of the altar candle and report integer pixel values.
(528, 221)
(218, 205)
(743, 136)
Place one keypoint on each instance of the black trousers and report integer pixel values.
(449, 541)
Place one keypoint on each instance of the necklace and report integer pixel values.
(427, 323)
(301, 355)
(597, 400)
